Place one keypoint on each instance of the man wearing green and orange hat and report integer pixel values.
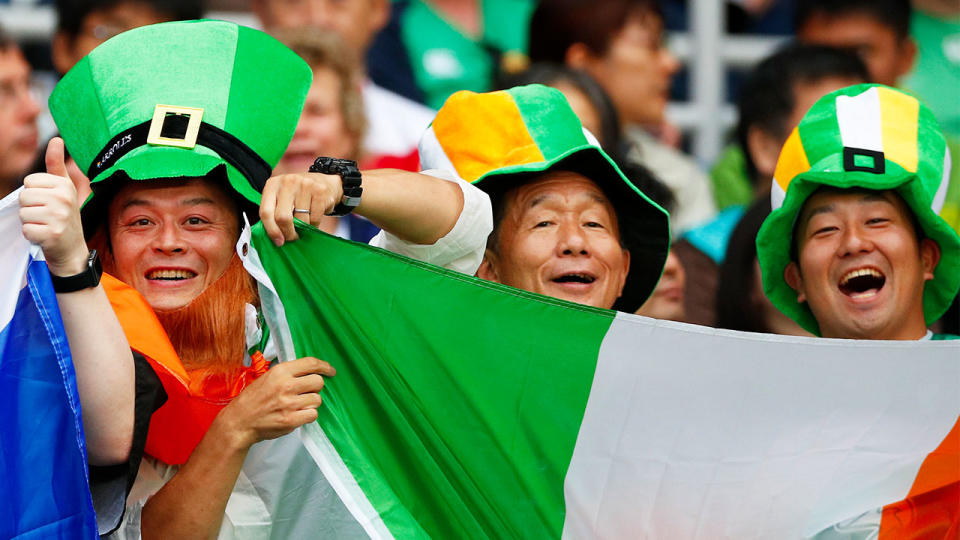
(178, 126)
(854, 247)
(567, 222)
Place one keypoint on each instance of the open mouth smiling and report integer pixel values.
(170, 274)
(862, 282)
(575, 277)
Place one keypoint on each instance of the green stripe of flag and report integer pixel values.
(454, 448)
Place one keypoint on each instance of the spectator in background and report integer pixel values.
(741, 303)
(84, 24)
(394, 123)
(935, 26)
(451, 45)
(621, 47)
(588, 100)
(18, 116)
(333, 120)
(877, 30)
(772, 101)
(667, 299)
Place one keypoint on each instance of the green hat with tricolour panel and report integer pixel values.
(867, 136)
(501, 140)
(179, 100)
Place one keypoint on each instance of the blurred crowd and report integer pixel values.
(382, 68)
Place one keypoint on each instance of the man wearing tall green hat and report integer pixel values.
(178, 126)
(567, 222)
(854, 247)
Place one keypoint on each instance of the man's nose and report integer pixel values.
(572, 240)
(31, 107)
(854, 241)
(169, 239)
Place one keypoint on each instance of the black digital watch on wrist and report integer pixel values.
(87, 279)
(349, 178)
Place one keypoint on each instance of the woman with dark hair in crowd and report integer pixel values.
(621, 47)
(741, 302)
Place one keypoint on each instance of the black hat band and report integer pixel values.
(228, 147)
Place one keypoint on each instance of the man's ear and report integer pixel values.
(488, 267)
(764, 151)
(929, 257)
(791, 274)
(908, 56)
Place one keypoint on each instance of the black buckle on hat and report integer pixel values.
(850, 154)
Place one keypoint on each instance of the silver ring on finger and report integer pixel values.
(301, 210)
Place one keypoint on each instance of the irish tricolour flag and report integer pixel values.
(465, 409)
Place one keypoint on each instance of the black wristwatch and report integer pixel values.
(349, 178)
(87, 279)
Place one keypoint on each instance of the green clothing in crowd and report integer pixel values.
(445, 60)
(731, 183)
(936, 74)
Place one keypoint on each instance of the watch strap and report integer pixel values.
(350, 180)
(88, 278)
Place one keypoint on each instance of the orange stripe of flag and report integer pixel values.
(932, 507)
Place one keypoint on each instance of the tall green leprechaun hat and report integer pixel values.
(500, 140)
(867, 136)
(179, 99)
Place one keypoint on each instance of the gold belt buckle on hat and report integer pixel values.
(160, 115)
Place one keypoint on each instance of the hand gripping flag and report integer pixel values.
(43, 465)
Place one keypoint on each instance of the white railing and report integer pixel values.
(708, 51)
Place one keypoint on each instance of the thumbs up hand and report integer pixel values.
(50, 214)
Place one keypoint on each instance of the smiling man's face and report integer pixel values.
(170, 240)
(559, 237)
(860, 266)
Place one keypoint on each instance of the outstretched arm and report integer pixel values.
(101, 356)
(414, 207)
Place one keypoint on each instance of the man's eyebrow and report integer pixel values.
(133, 202)
(186, 202)
(196, 200)
(873, 197)
(541, 198)
(822, 209)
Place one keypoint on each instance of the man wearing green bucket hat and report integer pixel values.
(854, 247)
(178, 126)
(567, 222)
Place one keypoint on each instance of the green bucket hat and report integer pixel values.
(500, 140)
(178, 100)
(867, 136)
